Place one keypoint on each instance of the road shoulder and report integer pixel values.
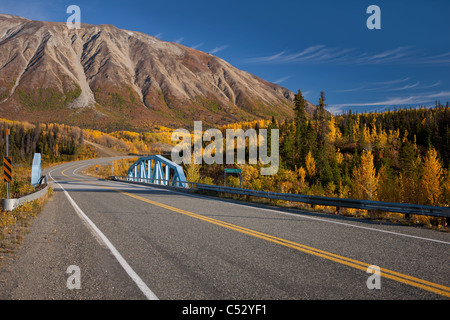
(57, 240)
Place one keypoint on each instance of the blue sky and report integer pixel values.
(308, 45)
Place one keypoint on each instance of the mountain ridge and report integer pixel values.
(109, 78)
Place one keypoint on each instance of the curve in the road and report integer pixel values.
(393, 275)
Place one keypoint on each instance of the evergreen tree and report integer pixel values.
(301, 124)
(321, 116)
(273, 125)
(287, 145)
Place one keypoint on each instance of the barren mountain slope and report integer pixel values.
(108, 78)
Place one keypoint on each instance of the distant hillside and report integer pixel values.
(111, 79)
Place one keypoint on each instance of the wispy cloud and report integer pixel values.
(197, 46)
(321, 54)
(306, 93)
(179, 40)
(387, 86)
(405, 87)
(388, 56)
(376, 85)
(281, 80)
(351, 90)
(411, 99)
(217, 49)
(159, 35)
(406, 93)
(432, 85)
(274, 58)
(335, 109)
(437, 59)
(390, 81)
(318, 53)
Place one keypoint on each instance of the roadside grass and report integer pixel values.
(21, 183)
(14, 225)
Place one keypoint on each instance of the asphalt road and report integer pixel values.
(136, 242)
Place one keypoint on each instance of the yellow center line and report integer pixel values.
(393, 275)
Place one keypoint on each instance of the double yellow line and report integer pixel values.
(386, 273)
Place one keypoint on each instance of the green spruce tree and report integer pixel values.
(301, 126)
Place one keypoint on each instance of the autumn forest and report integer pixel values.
(399, 155)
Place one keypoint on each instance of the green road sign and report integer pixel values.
(233, 170)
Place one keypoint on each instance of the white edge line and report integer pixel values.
(133, 275)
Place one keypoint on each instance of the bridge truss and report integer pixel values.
(158, 170)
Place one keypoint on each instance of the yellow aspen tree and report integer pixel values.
(339, 156)
(249, 173)
(333, 131)
(365, 179)
(409, 182)
(381, 139)
(301, 175)
(193, 172)
(374, 129)
(388, 189)
(355, 130)
(383, 195)
(431, 178)
(405, 137)
(310, 165)
(366, 135)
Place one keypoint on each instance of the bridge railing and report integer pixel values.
(404, 208)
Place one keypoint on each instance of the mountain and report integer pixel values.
(108, 78)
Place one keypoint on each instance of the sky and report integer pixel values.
(313, 46)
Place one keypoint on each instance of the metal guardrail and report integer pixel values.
(405, 208)
(12, 204)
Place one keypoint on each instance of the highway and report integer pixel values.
(135, 242)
